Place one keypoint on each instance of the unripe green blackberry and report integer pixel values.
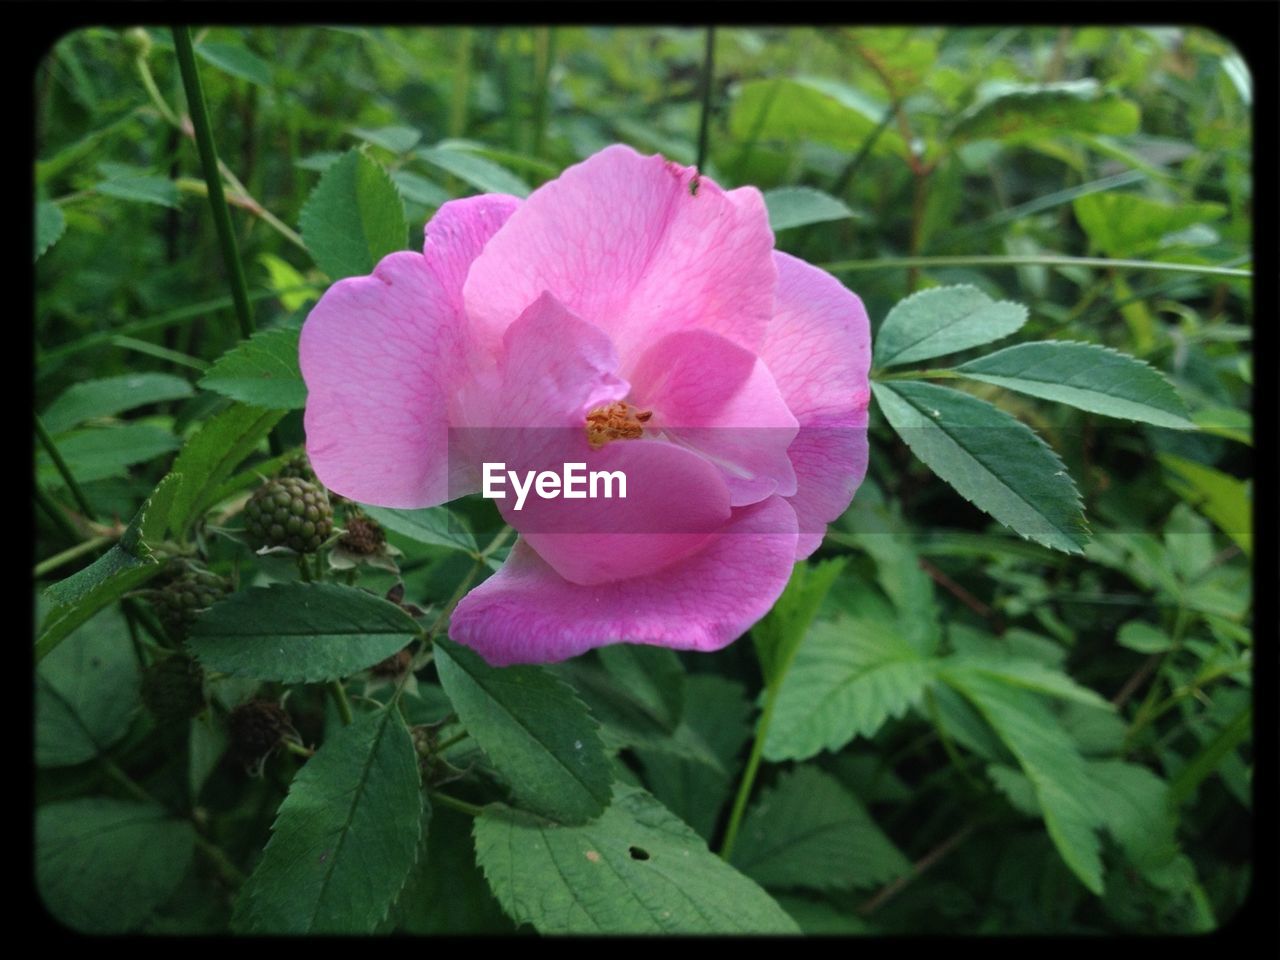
(173, 688)
(289, 512)
(363, 536)
(299, 468)
(257, 727)
(189, 590)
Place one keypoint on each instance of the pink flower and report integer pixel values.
(631, 316)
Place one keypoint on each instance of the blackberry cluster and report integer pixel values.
(173, 688)
(299, 468)
(289, 512)
(257, 727)
(363, 536)
(190, 589)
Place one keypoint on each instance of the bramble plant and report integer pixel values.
(1004, 687)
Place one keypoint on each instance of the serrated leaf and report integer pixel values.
(801, 206)
(262, 371)
(394, 138)
(849, 676)
(810, 108)
(1051, 762)
(1022, 112)
(237, 60)
(1128, 224)
(104, 866)
(96, 453)
(1023, 673)
(1086, 376)
(992, 460)
(943, 320)
(345, 838)
(124, 567)
(435, 526)
(478, 171)
(109, 396)
(719, 714)
(652, 674)
(809, 831)
(210, 455)
(637, 869)
(299, 632)
(420, 189)
(50, 226)
(533, 728)
(354, 217)
(779, 634)
(134, 183)
(900, 575)
(86, 692)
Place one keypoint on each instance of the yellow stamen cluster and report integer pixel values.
(617, 421)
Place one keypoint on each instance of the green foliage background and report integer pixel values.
(942, 727)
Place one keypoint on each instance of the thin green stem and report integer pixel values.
(455, 739)
(886, 263)
(544, 41)
(232, 874)
(708, 71)
(461, 84)
(339, 694)
(71, 553)
(470, 809)
(209, 161)
(57, 514)
(159, 352)
(749, 774)
(938, 373)
(64, 471)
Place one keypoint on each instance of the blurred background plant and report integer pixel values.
(970, 732)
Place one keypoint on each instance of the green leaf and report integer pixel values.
(943, 320)
(288, 284)
(1212, 756)
(1023, 673)
(1128, 224)
(50, 226)
(396, 139)
(94, 399)
(345, 838)
(435, 526)
(808, 831)
(299, 632)
(538, 734)
(800, 206)
(262, 371)
(719, 714)
(1030, 112)
(478, 171)
(237, 60)
(104, 866)
(206, 743)
(353, 218)
(1143, 637)
(96, 453)
(900, 575)
(849, 676)
(1051, 762)
(1222, 498)
(990, 458)
(420, 189)
(209, 457)
(637, 869)
(1086, 376)
(124, 567)
(653, 675)
(778, 635)
(134, 183)
(86, 692)
(809, 108)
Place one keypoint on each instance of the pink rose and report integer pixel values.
(632, 316)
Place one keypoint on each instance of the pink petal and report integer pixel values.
(710, 394)
(819, 351)
(526, 613)
(382, 356)
(624, 242)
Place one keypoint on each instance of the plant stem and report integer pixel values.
(212, 176)
(885, 263)
(339, 695)
(470, 809)
(461, 81)
(544, 40)
(71, 553)
(64, 471)
(455, 739)
(890, 891)
(57, 514)
(708, 69)
(749, 774)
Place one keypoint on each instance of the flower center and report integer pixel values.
(618, 421)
